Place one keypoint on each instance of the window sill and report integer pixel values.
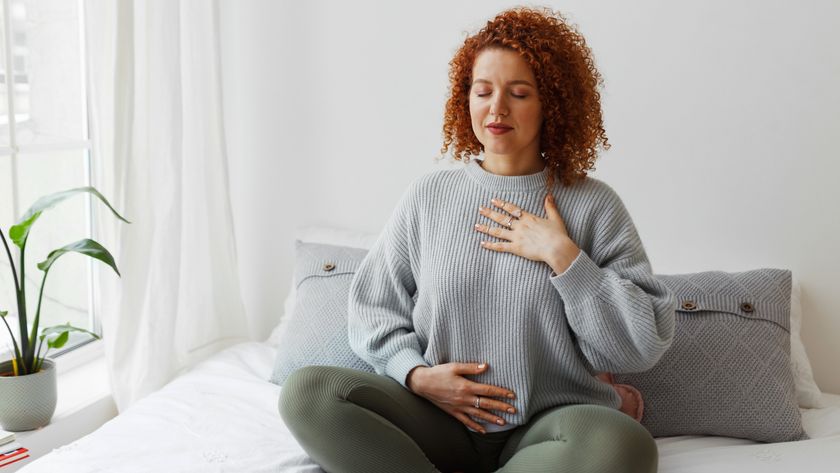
(84, 403)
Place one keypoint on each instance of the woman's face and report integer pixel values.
(503, 83)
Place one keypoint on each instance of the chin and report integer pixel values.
(501, 150)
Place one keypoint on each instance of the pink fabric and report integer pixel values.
(631, 398)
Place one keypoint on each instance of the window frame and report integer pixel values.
(85, 145)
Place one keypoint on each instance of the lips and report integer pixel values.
(499, 131)
(499, 126)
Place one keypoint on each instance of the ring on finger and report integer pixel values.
(477, 403)
(509, 221)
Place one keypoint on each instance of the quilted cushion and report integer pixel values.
(315, 333)
(728, 371)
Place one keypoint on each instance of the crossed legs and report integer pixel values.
(353, 421)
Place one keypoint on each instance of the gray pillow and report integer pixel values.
(315, 333)
(728, 371)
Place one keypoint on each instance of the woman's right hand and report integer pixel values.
(446, 387)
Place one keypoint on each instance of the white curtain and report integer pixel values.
(158, 131)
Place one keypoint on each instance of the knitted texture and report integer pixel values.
(728, 371)
(27, 402)
(543, 335)
(316, 331)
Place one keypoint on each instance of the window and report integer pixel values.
(45, 148)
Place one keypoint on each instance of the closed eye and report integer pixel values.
(517, 96)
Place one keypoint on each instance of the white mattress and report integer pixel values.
(222, 417)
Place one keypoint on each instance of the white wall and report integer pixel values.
(723, 118)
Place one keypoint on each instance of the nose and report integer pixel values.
(498, 105)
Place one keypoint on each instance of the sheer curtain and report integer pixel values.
(158, 131)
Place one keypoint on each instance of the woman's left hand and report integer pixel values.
(530, 236)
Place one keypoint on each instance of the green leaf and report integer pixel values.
(3, 313)
(85, 246)
(59, 341)
(63, 328)
(18, 233)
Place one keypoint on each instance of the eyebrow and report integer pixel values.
(510, 82)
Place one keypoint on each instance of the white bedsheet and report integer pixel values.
(222, 417)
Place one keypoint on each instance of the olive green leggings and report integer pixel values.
(352, 421)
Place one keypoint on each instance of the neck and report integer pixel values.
(507, 165)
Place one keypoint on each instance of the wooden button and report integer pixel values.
(329, 267)
(747, 307)
(689, 305)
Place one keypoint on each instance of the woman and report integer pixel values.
(494, 295)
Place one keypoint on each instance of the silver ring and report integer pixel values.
(510, 220)
(477, 402)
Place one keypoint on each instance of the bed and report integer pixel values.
(222, 417)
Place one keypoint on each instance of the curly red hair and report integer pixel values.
(567, 83)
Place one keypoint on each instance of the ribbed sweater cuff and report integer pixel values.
(400, 364)
(580, 281)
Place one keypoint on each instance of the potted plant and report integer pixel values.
(28, 381)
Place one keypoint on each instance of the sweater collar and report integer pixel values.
(497, 182)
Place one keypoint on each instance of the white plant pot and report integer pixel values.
(27, 402)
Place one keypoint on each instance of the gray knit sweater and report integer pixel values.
(427, 293)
